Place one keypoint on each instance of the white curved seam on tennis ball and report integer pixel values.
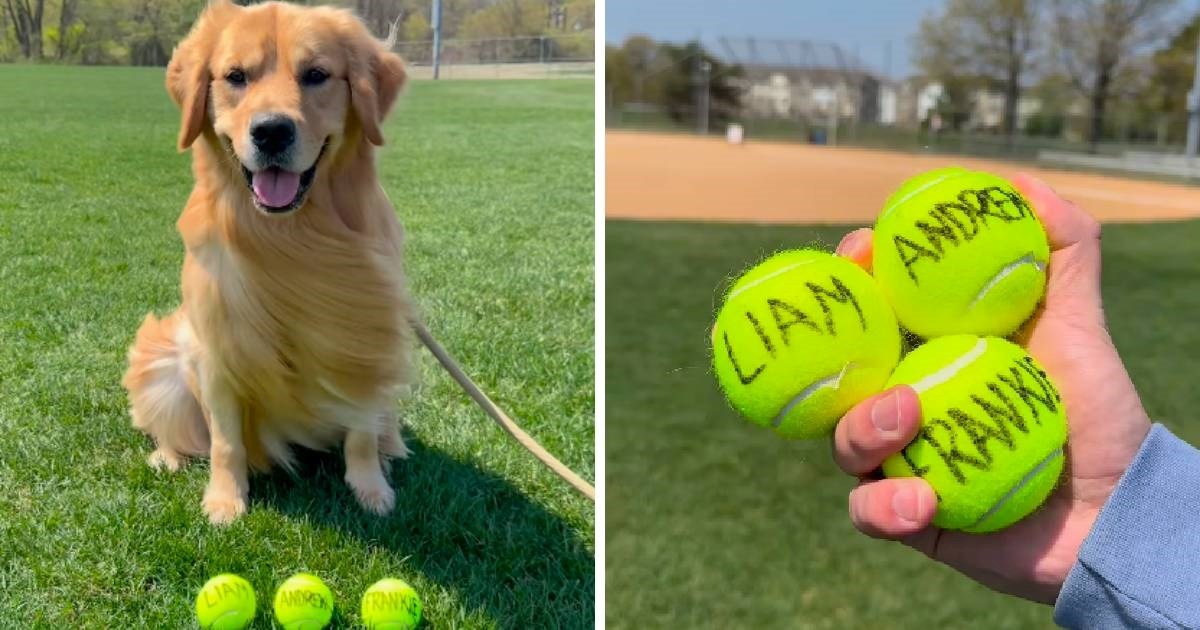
(919, 190)
(951, 369)
(1027, 259)
(223, 616)
(749, 285)
(832, 381)
(1021, 484)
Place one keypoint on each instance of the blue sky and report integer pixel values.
(863, 25)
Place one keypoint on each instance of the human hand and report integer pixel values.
(1106, 423)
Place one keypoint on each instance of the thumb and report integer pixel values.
(1073, 276)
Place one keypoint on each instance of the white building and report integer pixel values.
(771, 98)
(820, 94)
(888, 101)
(928, 98)
(816, 93)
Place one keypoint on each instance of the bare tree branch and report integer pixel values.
(1098, 39)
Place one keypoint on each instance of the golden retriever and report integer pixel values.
(293, 327)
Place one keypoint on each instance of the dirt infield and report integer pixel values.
(655, 176)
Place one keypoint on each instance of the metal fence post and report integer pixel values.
(1193, 105)
(437, 37)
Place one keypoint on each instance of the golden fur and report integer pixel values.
(293, 327)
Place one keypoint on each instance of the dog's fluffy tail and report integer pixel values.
(161, 403)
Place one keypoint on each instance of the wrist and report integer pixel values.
(1137, 558)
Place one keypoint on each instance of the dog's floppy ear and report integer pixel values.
(188, 77)
(376, 75)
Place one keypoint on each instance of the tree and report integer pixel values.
(939, 56)
(667, 75)
(1097, 40)
(379, 15)
(618, 78)
(680, 86)
(507, 18)
(416, 28)
(1055, 96)
(579, 15)
(642, 55)
(103, 28)
(65, 43)
(26, 16)
(1172, 69)
(4, 41)
(153, 27)
(144, 32)
(455, 12)
(992, 39)
(634, 72)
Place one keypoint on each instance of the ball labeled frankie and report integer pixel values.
(800, 338)
(959, 251)
(225, 602)
(391, 604)
(992, 435)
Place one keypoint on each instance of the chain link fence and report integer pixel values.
(543, 56)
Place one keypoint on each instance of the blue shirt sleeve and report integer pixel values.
(1140, 565)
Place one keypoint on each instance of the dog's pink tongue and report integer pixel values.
(276, 187)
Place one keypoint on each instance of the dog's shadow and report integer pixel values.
(468, 530)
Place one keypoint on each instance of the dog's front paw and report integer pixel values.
(165, 459)
(375, 496)
(223, 508)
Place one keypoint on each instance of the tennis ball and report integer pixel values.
(391, 604)
(960, 251)
(802, 337)
(303, 602)
(225, 602)
(992, 435)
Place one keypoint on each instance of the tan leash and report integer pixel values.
(500, 417)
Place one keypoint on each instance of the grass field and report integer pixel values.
(715, 523)
(494, 181)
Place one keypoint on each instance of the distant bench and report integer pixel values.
(1129, 161)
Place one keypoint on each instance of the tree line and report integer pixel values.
(143, 32)
(1081, 59)
(642, 70)
(1065, 52)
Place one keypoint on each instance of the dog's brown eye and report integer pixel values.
(236, 77)
(314, 76)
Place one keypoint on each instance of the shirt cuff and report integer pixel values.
(1140, 565)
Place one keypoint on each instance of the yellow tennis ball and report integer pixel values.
(303, 602)
(391, 604)
(801, 338)
(992, 434)
(960, 251)
(225, 602)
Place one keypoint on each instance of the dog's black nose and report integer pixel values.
(272, 133)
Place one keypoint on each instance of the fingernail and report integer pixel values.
(907, 504)
(885, 414)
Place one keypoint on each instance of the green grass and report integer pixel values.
(494, 181)
(714, 523)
